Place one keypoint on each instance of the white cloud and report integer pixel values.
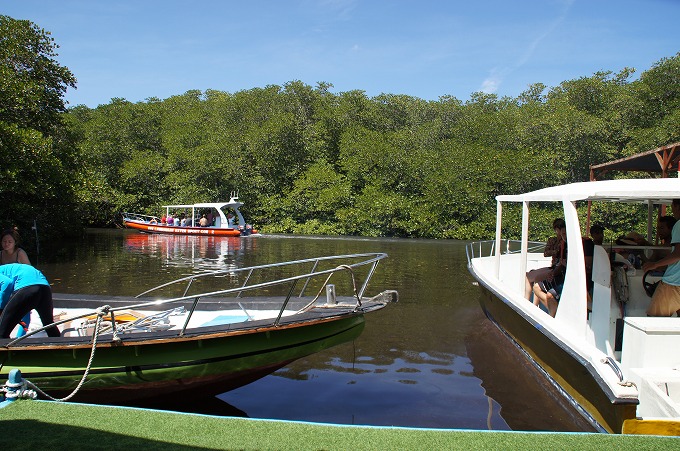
(491, 84)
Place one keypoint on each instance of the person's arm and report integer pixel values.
(6, 288)
(669, 259)
(23, 257)
(552, 247)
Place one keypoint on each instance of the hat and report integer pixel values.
(634, 236)
(625, 239)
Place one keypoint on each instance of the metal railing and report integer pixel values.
(338, 263)
(477, 249)
(140, 217)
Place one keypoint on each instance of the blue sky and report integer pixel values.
(137, 49)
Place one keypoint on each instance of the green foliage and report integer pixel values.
(40, 169)
(306, 160)
(309, 161)
(32, 83)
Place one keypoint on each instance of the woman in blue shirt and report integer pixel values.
(22, 289)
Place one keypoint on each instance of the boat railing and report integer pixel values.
(345, 264)
(477, 249)
(140, 217)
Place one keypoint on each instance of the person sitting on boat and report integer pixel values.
(588, 253)
(666, 298)
(11, 252)
(664, 229)
(596, 239)
(549, 290)
(170, 220)
(22, 289)
(552, 249)
(203, 222)
(164, 219)
(597, 234)
(230, 220)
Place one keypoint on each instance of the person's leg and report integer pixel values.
(665, 301)
(552, 304)
(532, 277)
(527, 288)
(19, 304)
(45, 309)
(540, 295)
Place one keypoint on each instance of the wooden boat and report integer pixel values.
(615, 364)
(210, 332)
(231, 224)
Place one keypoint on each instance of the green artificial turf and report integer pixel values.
(42, 425)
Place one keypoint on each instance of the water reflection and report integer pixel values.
(508, 378)
(202, 253)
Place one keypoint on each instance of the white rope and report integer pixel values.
(101, 312)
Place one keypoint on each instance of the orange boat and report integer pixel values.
(212, 218)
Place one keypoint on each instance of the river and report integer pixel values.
(430, 360)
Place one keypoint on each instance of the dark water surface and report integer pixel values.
(431, 360)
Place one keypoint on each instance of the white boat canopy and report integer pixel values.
(222, 222)
(662, 190)
(644, 191)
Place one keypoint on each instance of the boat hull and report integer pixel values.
(172, 230)
(211, 363)
(571, 374)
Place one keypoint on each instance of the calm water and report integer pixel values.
(431, 360)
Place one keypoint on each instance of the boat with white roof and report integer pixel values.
(617, 366)
(208, 218)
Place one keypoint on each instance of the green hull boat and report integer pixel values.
(236, 330)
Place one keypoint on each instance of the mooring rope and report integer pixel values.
(101, 312)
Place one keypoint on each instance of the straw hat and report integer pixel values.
(632, 239)
(634, 236)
